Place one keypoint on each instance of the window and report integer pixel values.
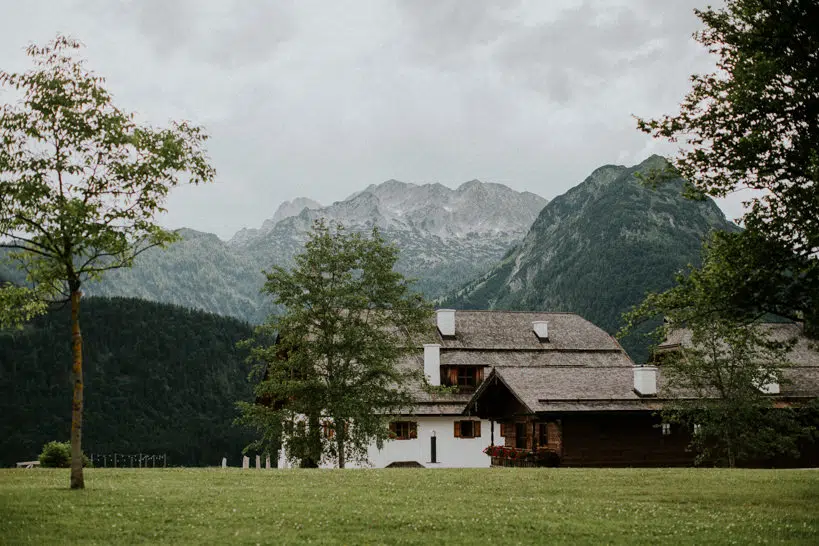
(505, 429)
(542, 434)
(403, 430)
(465, 377)
(666, 429)
(697, 428)
(520, 435)
(467, 429)
(327, 429)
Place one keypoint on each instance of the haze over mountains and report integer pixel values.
(446, 237)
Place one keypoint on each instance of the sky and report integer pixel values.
(321, 98)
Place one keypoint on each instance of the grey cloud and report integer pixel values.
(227, 33)
(319, 99)
(443, 31)
(565, 50)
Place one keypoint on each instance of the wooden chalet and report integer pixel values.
(574, 396)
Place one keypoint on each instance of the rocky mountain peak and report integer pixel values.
(292, 208)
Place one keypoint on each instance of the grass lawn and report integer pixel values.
(488, 506)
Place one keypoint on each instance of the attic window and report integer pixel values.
(467, 378)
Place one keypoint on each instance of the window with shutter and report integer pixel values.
(467, 429)
(327, 429)
(403, 430)
(505, 430)
(465, 377)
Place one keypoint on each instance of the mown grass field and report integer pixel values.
(476, 506)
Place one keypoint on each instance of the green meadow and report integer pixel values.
(411, 506)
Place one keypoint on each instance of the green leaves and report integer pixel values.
(80, 181)
(19, 304)
(347, 318)
(754, 124)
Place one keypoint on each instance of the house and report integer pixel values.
(525, 379)
(550, 385)
(593, 407)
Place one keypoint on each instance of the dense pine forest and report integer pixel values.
(159, 379)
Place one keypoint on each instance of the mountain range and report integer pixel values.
(446, 236)
(598, 249)
(595, 250)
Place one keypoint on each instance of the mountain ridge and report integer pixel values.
(598, 248)
(446, 237)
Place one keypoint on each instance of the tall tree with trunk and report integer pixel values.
(80, 185)
(332, 378)
(754, 124)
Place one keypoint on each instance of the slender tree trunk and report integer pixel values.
(313, 442)
(77, 480)
(731, 456)
(340, 441)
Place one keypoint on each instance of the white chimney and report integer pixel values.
(541, 328)
(432, 363)
(769, 385)
(772, 387)
(645, 380)
(446, 322)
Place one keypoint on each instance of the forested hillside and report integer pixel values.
(158, 379)
(598, 249)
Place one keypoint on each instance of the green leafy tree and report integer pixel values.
(80, 184)
(754, 124)
(715, 381)
(716, 385)
(332, 378)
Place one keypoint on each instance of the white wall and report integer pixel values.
(452, 452)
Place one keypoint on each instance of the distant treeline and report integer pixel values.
(158, 379)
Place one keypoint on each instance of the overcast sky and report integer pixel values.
(322, 98)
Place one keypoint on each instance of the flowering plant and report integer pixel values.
(544, 456)
(506, 452)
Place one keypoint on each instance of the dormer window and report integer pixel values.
(466, 378)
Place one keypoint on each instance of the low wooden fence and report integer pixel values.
(128, 460)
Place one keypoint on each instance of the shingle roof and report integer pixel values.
(801, 377)
(510, 330)
(804, 353)
(578, 360)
